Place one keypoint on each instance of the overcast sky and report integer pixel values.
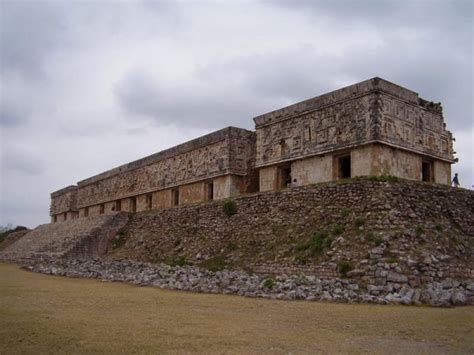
(87, 86)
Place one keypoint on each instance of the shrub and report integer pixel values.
(178, 261)
(419, 231)
(344, 267)
(345, 212)
(359, 222)
(119, 240)
(6, 231)
(371, 237)
(384, 178)
(216, 263)
(301, 259)
(230, 208)
(318, 242)
(269, 283)
(338, 229)
(231, 246)
(392, 259)
(439, 227)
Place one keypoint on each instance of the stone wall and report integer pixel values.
(414, 126)
(225, 159)
(421, 231)
(228, 151)
(64, 201)
(395, 115)
(372, 111)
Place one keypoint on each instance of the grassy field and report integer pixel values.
(44, 314)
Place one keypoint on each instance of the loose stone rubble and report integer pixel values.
(285, 287)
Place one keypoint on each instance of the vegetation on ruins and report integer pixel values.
(177, 261)
(345, 212)
(7, 230)
(419, 231)
(315, 246)
(344, 266)
(359, 222)
(371, 237)
(119, 240)
(230, 208)
(269, 283)
(384, 178)
(338, 229)
(216, 263)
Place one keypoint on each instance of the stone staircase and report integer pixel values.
(74, 238)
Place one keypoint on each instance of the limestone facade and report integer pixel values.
(214, 166)
(371, 128)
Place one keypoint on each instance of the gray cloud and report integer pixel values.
(22, 162)
(29, 32)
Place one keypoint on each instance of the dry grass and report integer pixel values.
(40, 314)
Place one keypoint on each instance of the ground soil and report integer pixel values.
(46, 314)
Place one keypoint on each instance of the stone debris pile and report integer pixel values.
(294, 287)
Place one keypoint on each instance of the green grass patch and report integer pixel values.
(338, 229)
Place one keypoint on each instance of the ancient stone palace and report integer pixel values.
(372, 128)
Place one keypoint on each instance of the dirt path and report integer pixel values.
(40, 313)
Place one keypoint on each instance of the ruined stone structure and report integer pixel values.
(370, 128)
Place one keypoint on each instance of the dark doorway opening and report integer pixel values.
(149, 201)
(175, 197)
(86, 212)
(284, 176)
(344, 167)
(210, 191)
(133, 204)
(118, 205)
(426, 171)
(102, 209)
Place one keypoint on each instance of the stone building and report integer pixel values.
(214, 166)
(371, 128)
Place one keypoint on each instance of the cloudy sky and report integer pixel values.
(89, 85)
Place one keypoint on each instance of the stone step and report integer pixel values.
(88, 236)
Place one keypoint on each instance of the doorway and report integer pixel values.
(133, 204)
(427, 171)
(284, 176)
(175, 197)
(344, 167)
(210, 191)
